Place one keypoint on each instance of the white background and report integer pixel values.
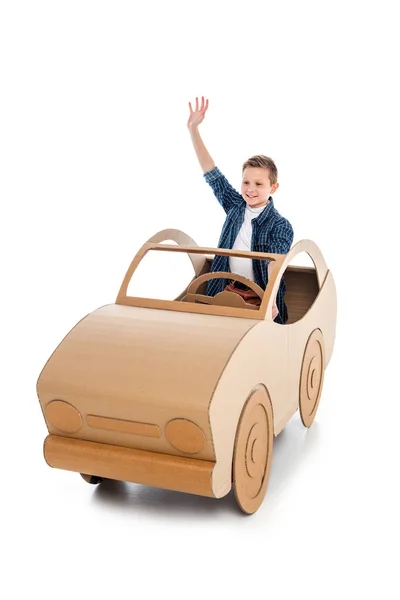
(96, 158)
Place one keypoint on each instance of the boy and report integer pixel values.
(252, 221)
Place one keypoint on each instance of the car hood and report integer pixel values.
(141, 364)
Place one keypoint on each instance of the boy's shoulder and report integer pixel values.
(280, 220)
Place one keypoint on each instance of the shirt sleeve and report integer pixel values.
(281, 238)
(226, 195)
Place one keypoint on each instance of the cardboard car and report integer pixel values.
(188, 394)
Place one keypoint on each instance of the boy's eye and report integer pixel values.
(258, 183)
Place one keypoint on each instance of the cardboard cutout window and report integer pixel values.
(162, 275)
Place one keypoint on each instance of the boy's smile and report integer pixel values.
(256, 186)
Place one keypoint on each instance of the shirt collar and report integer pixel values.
(266, 213)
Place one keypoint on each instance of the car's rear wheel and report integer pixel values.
(311, 377)
(94, 479)
(253, 451)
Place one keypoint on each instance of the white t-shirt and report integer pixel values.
(244, 266)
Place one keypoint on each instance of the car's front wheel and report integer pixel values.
(253, 451)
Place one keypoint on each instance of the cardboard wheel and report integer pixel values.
(94, 479)
(253, 451)
(312, 377)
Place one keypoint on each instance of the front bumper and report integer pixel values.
(128, 464)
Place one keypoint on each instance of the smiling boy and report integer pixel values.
(252, 221)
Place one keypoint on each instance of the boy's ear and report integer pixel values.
(274, 187)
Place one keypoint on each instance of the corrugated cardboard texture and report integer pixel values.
(172, 393)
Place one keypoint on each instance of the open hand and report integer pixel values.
(197, 115)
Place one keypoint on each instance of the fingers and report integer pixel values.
(203, 106)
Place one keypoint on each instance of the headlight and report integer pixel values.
(63, 416)
(185, 436)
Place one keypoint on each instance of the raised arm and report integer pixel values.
(195, 118)
(226, 195)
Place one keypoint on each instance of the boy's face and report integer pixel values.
(256, 186)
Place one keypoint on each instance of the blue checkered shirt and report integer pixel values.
(271, 233)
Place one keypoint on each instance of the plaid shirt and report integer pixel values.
(271, 233)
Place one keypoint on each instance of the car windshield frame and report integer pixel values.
(194, 307)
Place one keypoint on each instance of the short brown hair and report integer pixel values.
(264, 162)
